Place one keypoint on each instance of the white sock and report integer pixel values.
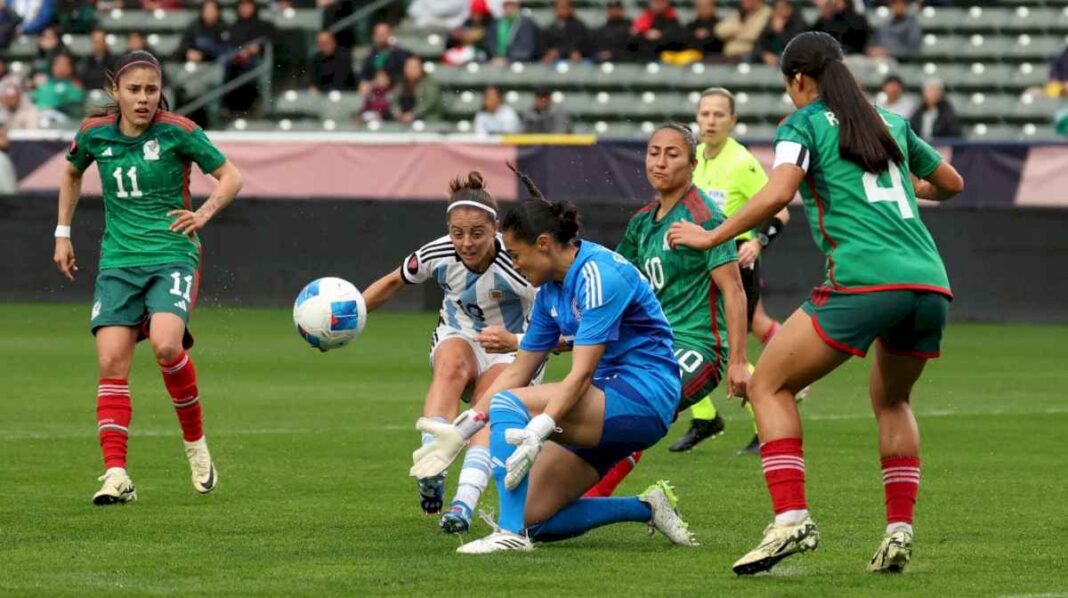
(893, 527)
(791, 517)
(474, 476)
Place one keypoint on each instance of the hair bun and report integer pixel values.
(475, 180)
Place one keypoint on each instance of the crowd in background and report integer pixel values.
(394, 84)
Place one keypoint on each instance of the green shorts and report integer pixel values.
(128, 296)
(701, 373)
(907, 322)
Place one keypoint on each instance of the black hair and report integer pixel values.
(538, 216)
(473, 188)
(115, 72)
(721, 92)
(687, 136)
(863, 137)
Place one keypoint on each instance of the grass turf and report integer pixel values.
(313, 450)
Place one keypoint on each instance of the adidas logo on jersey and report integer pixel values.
(107, 152)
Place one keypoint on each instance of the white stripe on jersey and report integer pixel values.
(500, 296)
(594, 292)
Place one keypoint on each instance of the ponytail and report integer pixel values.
(863, 136)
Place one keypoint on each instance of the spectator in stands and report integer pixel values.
(612, 40)
(740, 30)
(700, 32)
(75, 16)
(840, 20)
(135, 40)
(936, 117)
(1057, 86)
(162, 4)
(16, 110)
(385, 55)
(464, 44)
(331, 67)
(544, 117)
(513, 37)
(9, 180)
(49, 45)
(784, 25)
(93, 68)
(36, 15)
(61, 92)
(9, 23)
(901, 37)
(439, 14)
(496, 117)
(418, 95)
(248, 35)
(205, 38)
(377, 101)
(567, 37)
(335, 11)
(657, 30)
(895, 99)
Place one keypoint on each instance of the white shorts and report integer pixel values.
(485, 360)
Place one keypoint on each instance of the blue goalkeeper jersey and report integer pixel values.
(604, 300)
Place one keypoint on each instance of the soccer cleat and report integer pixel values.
(753, 448)
(662, 500)
(802, 394)
(699, 431)
(432, 494)
(118, 488)
(205, 478)
(457, 520)
(780, 541)
(894, 553)
(498, 541)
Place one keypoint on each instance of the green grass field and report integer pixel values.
(313, 452)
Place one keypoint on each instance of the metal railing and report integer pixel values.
(261, 71)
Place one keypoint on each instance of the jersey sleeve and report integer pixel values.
(78, 153)
(419, 266)
(724, 253)
(923, 159)
(628, 245)
(543, 333)
(602, 295)
(793, 144)
(197, 147)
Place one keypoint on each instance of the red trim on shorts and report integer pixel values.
(823, 229)
(196, 280)
(844, 348)
(819, 296)
(706, 373)
(912, 354)
(891, 287)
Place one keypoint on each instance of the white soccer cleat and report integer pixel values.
(661, 499)
(780, 541)
(118, 488)
(498, 541)
(894, 553)
(205, 478)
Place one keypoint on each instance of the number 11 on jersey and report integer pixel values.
(132, 174)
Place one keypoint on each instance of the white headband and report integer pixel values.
(473, 204)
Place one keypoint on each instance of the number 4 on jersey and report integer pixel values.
(894, 193)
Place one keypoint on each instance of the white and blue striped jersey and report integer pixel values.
(500, 296)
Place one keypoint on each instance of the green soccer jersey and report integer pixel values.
(867, 225)
(143, 178)
(681, 277)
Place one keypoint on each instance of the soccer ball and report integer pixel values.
(329, 313)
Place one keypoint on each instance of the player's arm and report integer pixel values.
(70, 188)
(383, 289)
(770, 200)
(728, 280)
(518, 374)
(941, 185)
(497, 339)
(584, 360)
(230, 182)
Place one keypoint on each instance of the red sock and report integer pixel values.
(775, 326)
(611, 480)
(113, 412)
(784, 471)
(901, 481)
(180, 378)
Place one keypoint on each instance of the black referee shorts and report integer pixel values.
(751, 283)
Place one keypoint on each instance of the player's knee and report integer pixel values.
(113, 365)
(166, 351)
(454, 372)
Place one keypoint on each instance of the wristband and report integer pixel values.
(770, 231)
(62, 231)
(469, 423)
(542, 425)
